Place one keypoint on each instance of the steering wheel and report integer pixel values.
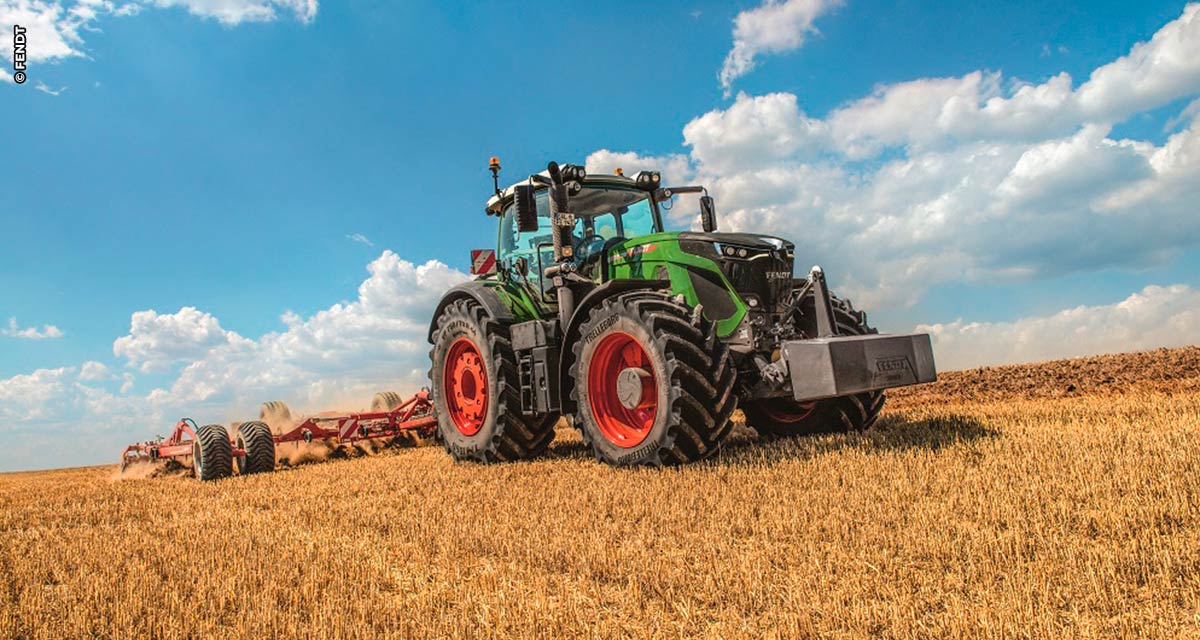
(589, 246)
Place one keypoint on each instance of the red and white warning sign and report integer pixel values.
(483, 262)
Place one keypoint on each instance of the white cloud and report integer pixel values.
(774, 27)
(41, 86)
(973, 178)
(233, 12)
(674, 167)
(335, 355)
(335, 358)
(31, 333)
(1154, 317)
(1188, 114)
(34, 396)
(338, 355)
(360, 238)
(93, 371)
(53, 31)
(156, 341)
(753, 132)
(56, 28)
(935, 113)
(1154, 73)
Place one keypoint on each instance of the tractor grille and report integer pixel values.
(762, 274)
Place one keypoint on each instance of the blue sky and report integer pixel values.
(221, 156)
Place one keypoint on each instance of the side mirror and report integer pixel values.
(525, 207)
(708, 214)
(521, 266)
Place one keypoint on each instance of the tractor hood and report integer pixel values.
(746, 240)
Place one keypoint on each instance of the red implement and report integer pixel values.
(181, 444)
(414, 414)
(219, 449)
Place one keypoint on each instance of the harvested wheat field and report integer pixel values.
(1056, 500)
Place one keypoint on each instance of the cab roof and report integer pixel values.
(497, 203)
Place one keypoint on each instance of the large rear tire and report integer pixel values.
(653, 385)
(254, 438)
(476, 393)
(212, 453)
(786, 417)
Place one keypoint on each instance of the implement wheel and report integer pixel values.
(476, 393)
(386, 401)
(254, 438)
(212, 453)
(653, 385)
(786, 417)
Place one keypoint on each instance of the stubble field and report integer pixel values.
(1045, 501)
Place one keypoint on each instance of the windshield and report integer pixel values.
(602, 214)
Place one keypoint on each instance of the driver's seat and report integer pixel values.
(586, 268)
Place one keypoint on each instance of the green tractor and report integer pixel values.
(647, 339)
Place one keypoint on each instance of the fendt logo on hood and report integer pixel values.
(634, 253)
(779, 275)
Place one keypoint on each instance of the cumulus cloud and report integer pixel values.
(1154, 317)
(1154, 73)
(233, 12)
(93, 371)
(34, 396)
(156, 340)
(31, 333)
(675, 168)
(971, 178)
(335, 358)
(754, 132)
(338, 355)
(935, 113)
(57, 27)
(774, 27)
(54, 30)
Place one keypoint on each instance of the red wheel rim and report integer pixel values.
(624, 426)
(787, 411)
(465, 383)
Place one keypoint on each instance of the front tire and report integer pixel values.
(476, 393)
(786, 417)
(653, 385)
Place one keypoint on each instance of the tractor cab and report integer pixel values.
(607, 211)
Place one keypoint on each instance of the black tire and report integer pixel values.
(786, 417)
(689, 370)
(212, 453)
(503, 433)
(254, 438)
(277, 411)
(385, 401)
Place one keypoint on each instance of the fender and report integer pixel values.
(478, 291)
(582, 310)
